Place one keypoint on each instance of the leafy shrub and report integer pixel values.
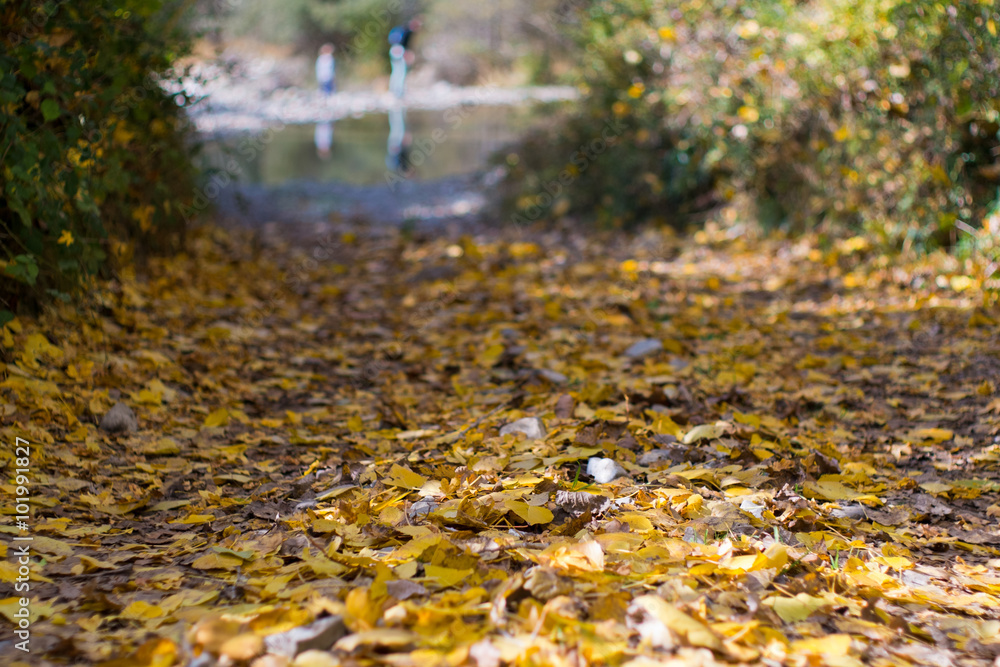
(882, 115)
(93, 147)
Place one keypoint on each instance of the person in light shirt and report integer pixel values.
(401, 55)
(326, 70)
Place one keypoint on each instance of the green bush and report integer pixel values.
(875, 114)
(94, 152)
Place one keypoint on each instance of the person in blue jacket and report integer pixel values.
(401, 55)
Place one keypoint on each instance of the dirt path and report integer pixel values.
(397, 448)
(413, 203)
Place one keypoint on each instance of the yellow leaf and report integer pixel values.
(895, 562)
(194, 519)
(11, 606)
(753, 421)
(446, 576)
(321, 566)
(798, 608)
(936, 488)
(380, 637)
(217, 561)
(638, 523)
(140, 610)
(777, 556)
(218, 418)
(531, 514)
(664, 425)
(147, 397)
(404, 477)
(934, 435)
(355, 424)
(705, 432)
(690, 629)
(587, 556)
(830, 646)
(157, 652)
(741, 564)
(490, 356)
(748, 115)
(66, 238)
(828, 490)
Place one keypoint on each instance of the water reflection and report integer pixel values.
(323, 138)
(397, 153)
(362, 149)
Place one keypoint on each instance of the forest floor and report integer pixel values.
(507, 447)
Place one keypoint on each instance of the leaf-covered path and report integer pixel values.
(758, 453)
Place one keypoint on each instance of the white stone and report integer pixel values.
(753, 508)
(643, 348)
(532, 427)
(604, 470)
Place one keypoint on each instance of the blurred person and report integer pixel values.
(323, 138)
(326, 70)
(397, 76)
(401, 56)
(397, 154)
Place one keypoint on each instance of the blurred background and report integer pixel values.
(870, 121)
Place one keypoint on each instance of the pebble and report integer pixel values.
(532, 427)
(752, 508)
(604, 470)
(552, 376)
(318, 635)
(119, 419)
(643, 348)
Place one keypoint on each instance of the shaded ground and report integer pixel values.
(418, 203)
(804, 454)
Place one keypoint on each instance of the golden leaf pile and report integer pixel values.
(805, 469)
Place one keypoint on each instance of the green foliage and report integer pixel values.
(358, 28)
(93, 146)
(463, 43)
(879, 115)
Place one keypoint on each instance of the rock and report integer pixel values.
(643, 348)
(319, 635)
(854, 511)
(552, 376)
(669, 454)
(604, 470)
(749, 506)
(422, 508)
(532, 427)
(119, 419)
